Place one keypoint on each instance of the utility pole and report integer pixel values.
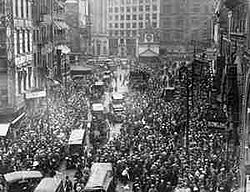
(188, 113)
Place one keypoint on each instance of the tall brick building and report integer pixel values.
(182, 21)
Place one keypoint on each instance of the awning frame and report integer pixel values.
(18, 118)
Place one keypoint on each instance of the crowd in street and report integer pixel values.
(40, 138)
(153, 154)
(152, 151)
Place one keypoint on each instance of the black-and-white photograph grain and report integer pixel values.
(124, 95)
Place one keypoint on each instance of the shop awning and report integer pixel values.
(64, 48)
(4, 129)
(18, 118)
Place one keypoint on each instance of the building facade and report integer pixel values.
(99, 27)
(182, 21)
(17, 67)
(42, 41)
(125, 19)
(61, 33)
(231, 37)
(77, 18)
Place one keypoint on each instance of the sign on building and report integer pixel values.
(34, 95)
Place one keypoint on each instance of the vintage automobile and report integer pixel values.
(22, 181)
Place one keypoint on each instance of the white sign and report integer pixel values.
(152, 47)
(37, 94)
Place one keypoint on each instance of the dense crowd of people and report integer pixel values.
(41, 137)
(153, 150)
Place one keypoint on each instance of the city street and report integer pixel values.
(149, 93)
(121, 84)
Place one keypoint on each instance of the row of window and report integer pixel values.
(176, 36)
(23, 41)
(127, 33)
(170, 22)
(197, 8)
(22, 8)
(133, 9)
(146, 16)
(130, 25)
(115, 2)
(180, 36)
